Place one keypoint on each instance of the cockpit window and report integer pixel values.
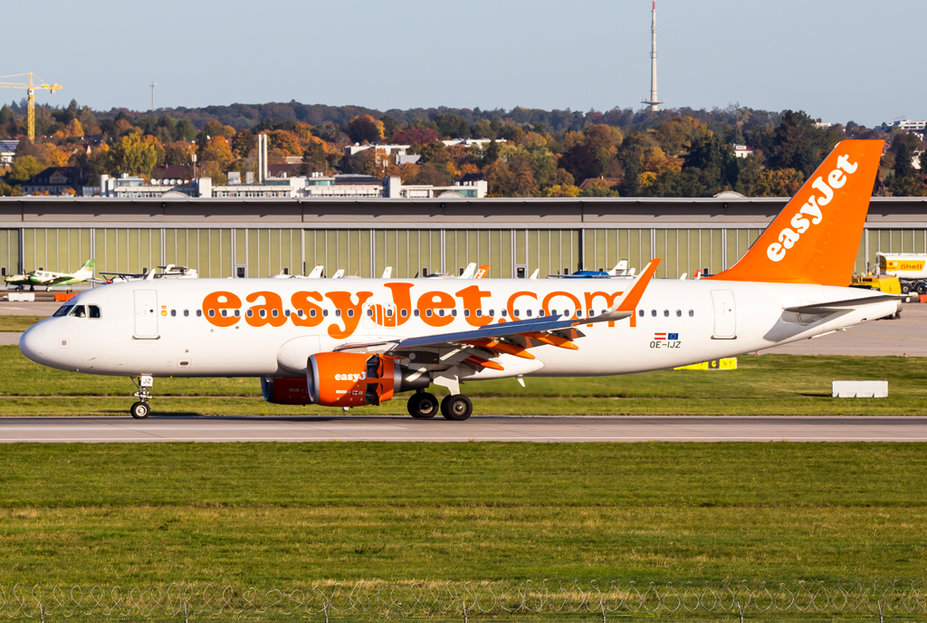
(79, 311)
(63, 310)
(94, 311)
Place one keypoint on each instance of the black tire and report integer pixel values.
(422, 405)
(456, 407)
(140, 410)
(905, 287)
(921, 287)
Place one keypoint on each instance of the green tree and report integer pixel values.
(905, 147)
(793, 145)
(135, 155)
(24, 168)
(435, 152)
(452, 126)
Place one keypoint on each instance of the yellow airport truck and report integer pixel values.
(909, 268)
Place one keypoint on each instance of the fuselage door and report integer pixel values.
(146, 314)
(725, 318)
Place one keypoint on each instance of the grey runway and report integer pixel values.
(478, 428)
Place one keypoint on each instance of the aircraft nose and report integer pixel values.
(35, 343)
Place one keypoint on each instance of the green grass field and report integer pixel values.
(18, 323)
(762, 385)
(471, 517)
(286, 515)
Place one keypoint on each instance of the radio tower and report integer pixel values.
(654, 101)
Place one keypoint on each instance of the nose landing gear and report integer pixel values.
(140, 410)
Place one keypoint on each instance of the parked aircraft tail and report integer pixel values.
(815, 239)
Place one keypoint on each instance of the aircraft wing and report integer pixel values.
(514, 337)
(50, 281)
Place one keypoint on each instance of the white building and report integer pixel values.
(910, 125)
(315, 186)
(469, 142)
(8, 150)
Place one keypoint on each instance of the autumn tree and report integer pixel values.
(588, 155)
(51, 155)
(178, 153)
(243, 142)
(135, 155)
(284, 143)
(415, 136)
(216, 150)
(675, 134)
(364, 129)
(315, 155)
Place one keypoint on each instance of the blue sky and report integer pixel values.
(838, 60)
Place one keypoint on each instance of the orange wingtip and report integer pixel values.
(815, 238)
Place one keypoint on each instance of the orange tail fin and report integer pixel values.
(816, 237)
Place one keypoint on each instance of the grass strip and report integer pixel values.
(18, 324)
(762, 385)
(288, 515)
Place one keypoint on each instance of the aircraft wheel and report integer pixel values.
(140, 410)
(456, 407)
(422, 405)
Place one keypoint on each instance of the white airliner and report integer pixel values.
(351, 342)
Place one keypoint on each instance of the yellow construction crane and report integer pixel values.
(30, 89)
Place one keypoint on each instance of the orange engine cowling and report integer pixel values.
(352, 379)
(343, 380)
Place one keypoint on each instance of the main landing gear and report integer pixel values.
(140, 410)
(423, 405)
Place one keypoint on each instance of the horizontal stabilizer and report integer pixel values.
(837, 306)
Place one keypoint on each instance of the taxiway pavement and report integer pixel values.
(477, 428)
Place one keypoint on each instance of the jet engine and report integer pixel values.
(344, 380)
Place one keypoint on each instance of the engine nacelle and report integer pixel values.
(343, 380)
(283, 390)
(352, 379)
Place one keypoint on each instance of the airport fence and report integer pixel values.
(464, 601)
